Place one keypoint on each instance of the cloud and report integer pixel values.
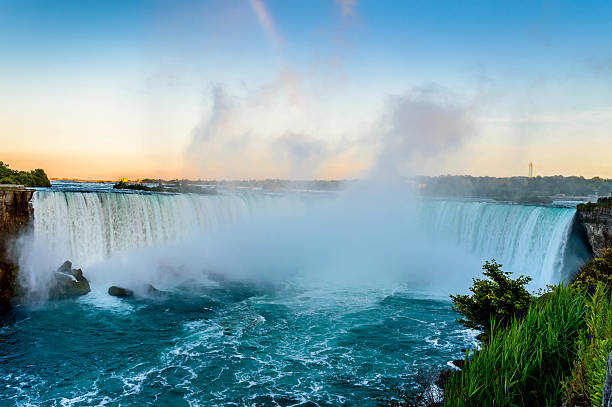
(305, 153)
(279, 130)
(347, 7)
(261, 132)
(419, 128)
(601, 65)
(213, 126)
(267, 21)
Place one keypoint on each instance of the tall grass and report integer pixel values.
(585, 387)
(526, 363)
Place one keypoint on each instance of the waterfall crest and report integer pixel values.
(88, 227)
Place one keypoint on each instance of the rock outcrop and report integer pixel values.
(68, 283)
(607, 390)
(15, 215)
(120, 292)
(598, 225)
(146, 291)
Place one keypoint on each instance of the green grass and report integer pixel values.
(585, 386)
(526, 363)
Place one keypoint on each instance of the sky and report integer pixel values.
(327, 89)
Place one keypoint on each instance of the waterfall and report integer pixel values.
(88, 227)
(526, 239)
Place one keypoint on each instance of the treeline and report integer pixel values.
(34, 178)
(176, 187)
(270, 184)
(518, 189)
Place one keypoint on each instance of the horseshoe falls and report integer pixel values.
(271, 299)
(90, 227)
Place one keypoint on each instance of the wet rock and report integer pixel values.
(445, 376)
(120, 292)
(152, 292)
(216, 277)
(68, 282)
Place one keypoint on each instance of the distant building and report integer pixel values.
(530, 170)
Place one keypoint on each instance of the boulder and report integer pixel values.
(152, 292)
(120, 292)
(607, 390)
(68, 282)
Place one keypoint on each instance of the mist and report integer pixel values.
(369, 234)
(353, 239)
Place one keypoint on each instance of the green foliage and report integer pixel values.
(136, 187)
(594, 272)
(590, 206)
(522, 365)
(34, 178)
(498, 298)
(585, 387)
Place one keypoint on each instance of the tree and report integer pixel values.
(34, 178)
(498, 297)
(597, 270)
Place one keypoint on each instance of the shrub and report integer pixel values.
(498, 297)
(523, 364)
(594, 272)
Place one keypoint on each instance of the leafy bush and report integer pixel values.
(497, 298)
(34, 178)
(594, 272)
(523, 364)
(585, 387)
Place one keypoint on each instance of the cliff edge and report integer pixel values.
(15, 216)
(598, 225)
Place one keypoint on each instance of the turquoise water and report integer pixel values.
(225, 344)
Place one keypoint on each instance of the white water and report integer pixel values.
(526, 239)
(89, 227)
(284, 230)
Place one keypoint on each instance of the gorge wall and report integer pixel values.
(15, 216)
(598, 225)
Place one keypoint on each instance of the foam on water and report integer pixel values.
(228, 345)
